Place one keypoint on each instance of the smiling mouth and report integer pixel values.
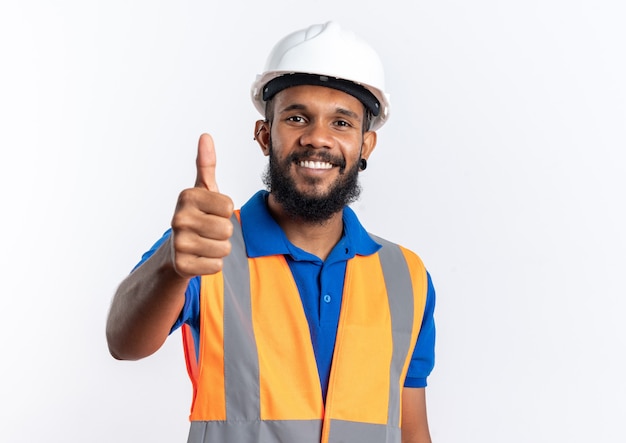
(315, 164)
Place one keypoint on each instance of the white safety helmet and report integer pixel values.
(325, 55)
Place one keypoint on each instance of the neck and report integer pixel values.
(317, 238)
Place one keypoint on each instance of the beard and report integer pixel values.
(318, 207)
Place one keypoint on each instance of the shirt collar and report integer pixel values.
(263, 236)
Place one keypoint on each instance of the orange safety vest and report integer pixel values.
(256, 380)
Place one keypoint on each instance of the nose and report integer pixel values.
(317, 135)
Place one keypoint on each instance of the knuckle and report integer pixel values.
(180, 225)
(179, 254)
(229, 205)
(222, 204)
(227, 248)
(187, 195)
(214, 266)
(230, 229)
(226, 229)
(177, 220)
(181, 265)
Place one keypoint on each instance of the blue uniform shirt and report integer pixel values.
(320, 284)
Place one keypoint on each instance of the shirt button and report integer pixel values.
(327, 298)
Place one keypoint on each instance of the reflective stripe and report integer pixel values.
(267, 431)
(381, 309)
(348, 431)
(401, 300)
(241, 361)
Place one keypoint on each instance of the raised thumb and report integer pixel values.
(205, 164)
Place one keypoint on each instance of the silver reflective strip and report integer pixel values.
(241, 362)
(348, 431)
(401, 305)
(278, 431)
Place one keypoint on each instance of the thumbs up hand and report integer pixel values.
(201, 226)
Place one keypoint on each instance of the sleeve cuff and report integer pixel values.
(414, 382)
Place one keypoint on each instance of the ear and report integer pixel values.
(262, 135)
(369, 143)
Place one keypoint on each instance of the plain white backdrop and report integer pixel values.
(502, 165)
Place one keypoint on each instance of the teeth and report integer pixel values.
(315, 165)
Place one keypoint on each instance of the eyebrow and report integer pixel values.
(348, 113)
(301, 107)
(293, 107)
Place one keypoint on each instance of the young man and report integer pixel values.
(298, 325)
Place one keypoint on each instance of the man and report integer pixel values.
(298, 325)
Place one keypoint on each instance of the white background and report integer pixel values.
(503, 166)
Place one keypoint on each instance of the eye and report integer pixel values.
(343, 123)
(295, 119)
